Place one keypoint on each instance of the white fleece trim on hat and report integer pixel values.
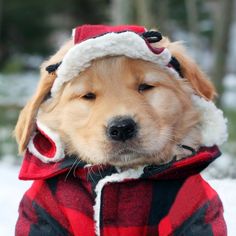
(117, 177)
(127, 44)
(59, 155)
(213, 125)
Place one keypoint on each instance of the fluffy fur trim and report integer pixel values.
(128, 44)
(117, 177)
(57, 151)
(213, 125)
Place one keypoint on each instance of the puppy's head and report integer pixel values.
(120, 111)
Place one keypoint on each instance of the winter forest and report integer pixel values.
(30, 31)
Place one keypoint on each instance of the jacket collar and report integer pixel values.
(33, 168)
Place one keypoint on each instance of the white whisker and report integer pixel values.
(71, 169)
(76, 166)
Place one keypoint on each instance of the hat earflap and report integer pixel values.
(46, 144)
(213, 124)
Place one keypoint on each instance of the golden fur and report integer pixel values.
(164, 114)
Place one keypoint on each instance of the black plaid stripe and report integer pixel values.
(52, 184)
(71, 160)
(46, 225)
(163, 196)
(195, 225)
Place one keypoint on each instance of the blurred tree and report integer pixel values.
(121, 12)
(23, 27)
(193, 22)
(26, 25)
(222, 26)
(149, 13)
(192, 16)
(144, 14)
(131, 12)
(169, 15)
(163, 17)
(177, 13)
(1, 7)
(82, 11)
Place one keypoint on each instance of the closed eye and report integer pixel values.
(144, 87)
(89, 96)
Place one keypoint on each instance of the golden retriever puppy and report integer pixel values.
(112, 103)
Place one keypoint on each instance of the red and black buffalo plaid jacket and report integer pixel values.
(72, 198)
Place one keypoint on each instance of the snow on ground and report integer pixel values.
(226, 188)
(12, 190)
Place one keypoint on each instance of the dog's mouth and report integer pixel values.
(126, 152)
(127, 156)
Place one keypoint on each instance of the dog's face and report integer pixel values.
(123, 112)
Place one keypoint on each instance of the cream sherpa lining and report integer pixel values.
(117, 177)
(59, 155)
(213, 125)
(127, 44)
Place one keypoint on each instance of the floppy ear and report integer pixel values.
(26, 121)
(190, 71)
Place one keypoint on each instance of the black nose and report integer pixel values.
(122, 129)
